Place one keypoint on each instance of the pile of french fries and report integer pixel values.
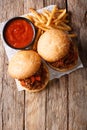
(57, 18)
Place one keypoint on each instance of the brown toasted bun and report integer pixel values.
(53, 45)
(41, 87)
(70, 66)
(24, 64)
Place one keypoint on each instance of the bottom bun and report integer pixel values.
(37, 89)
(69, 67)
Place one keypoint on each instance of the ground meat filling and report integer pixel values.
(66, 61)
(35, 81)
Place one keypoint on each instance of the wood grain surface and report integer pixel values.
(63, 104)
(78, 11)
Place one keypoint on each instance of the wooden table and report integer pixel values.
(63, 104)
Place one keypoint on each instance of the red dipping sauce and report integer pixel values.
(19, 33)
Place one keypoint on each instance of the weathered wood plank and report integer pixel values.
(60, 3)
(78, 79)
(1, 80)
(11, 101)
(36, 4)
(78, 9)
(47, 109)
(35, 111)
(56, 110)
(78, 100)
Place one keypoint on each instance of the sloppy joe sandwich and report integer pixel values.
(55, 47)
(31, 72)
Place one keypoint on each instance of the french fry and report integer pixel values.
(42, 32)
(63, 28)
(45, 15)
(42, 26)
(59, 10)
(51, 16)
(43, 18)
(47, 12)
(36, 40)
(61, 15)
(57, 22)
(30, 18)
(66, 21)
(72, 35)
(36, 15)
(36, 20)
(60, 27)
(65, 16)
(66, 26)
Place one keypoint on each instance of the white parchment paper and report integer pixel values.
(53, 74)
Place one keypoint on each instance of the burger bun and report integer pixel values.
(53, 45)
(24, 64)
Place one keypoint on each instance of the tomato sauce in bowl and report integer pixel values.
(19, 33)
